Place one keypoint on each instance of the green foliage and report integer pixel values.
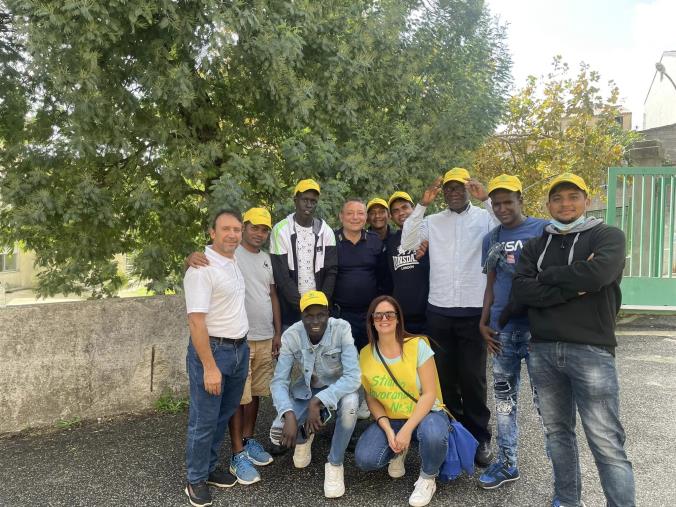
(144, 115)
(167, 403)
(557, 124)
(66, 424)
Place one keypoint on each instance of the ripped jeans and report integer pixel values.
(506, 378)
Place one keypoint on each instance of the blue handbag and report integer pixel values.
(461, 450)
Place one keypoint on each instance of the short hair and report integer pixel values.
(353, 199)
(565, 185)
(232, 212)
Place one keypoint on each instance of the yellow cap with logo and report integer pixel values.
(313, 297)
(456, 174)
(568, 178)
(399, 195)
(305, 185)
(374, 201)
(506, 182)
(258, 216)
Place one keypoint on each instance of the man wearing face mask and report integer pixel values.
(570, 280)
(456, 295)
(323, 348)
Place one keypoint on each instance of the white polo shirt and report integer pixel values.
(218, 291)
(455, 241)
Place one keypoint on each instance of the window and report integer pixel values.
(8, 260)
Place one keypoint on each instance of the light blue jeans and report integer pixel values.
(208, 414)
(373, 451)
(346, 420)
(506, 380)
(569, 376)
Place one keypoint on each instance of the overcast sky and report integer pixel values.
(621, 39)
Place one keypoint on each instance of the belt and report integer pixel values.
(221, 340)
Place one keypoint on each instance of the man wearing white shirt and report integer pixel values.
(217, 358)
(456, 296)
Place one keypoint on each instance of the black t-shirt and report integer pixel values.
(410, 278)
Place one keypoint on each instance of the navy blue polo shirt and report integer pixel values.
(361, 267)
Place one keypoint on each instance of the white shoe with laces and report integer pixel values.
(396, 468)
(423, 492)
(302, 455)
(334, 483)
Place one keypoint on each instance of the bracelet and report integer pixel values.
(378, 420)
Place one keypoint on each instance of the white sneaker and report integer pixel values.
(423, 492)
(363, 411)
(334, 484)
(303, 453)
(396, 467)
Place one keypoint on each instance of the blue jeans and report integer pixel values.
(373, 451)
(567, 376)
(346, 420)
(209, 414)
(506, 379)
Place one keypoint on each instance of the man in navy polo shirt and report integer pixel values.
(361, 269)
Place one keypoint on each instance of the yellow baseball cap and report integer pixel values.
(456, 174)
(305, 185)
(568, 178)
(506, 182)
(313, 297)
(399, 195)
(376, 200)
(258, 216)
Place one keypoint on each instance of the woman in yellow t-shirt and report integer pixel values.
(399, 419)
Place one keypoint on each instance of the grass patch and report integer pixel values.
(167, 403)
(66, 424)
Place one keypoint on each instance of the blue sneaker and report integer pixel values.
(243, 469)
(256, 454)
(498, 474)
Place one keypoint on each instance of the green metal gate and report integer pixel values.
(642, 202)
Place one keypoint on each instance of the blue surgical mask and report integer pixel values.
(567, 227)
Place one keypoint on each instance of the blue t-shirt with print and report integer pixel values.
(513, 241)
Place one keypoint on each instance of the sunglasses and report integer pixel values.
(378, 316)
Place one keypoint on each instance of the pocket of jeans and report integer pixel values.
(598, 350)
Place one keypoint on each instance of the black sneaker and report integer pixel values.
(198, 494)
(277, 450)
(484, 455)
(221, 479)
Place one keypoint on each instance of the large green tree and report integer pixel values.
(146, 114)
(561, 122)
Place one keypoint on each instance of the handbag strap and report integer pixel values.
(396, 382)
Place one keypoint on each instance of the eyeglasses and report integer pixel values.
(378, 316)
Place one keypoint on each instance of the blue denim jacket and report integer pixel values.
(337, 366)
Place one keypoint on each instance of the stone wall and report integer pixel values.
(89, 359)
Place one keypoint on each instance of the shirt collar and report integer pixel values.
(462, 211)
(218, 259)
(341, 237)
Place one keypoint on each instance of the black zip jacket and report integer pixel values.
(550, 285)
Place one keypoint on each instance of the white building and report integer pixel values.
(659, 108)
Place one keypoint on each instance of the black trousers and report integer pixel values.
(460, 355)
(357, 320)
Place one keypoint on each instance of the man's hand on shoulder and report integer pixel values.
(197, 260)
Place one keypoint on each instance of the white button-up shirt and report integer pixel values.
(455, 239)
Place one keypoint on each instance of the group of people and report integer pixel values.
(397, 325)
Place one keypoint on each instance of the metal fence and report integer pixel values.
(641, 202)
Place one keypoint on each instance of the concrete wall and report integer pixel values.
(89, 359)
(667, 137)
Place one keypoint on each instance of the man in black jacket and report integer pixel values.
(570, 280)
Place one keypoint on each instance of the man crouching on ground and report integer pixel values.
(324, 350)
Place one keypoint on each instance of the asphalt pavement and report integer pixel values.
(139, 459)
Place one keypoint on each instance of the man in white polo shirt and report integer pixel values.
(456, 296)
(217, 358)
